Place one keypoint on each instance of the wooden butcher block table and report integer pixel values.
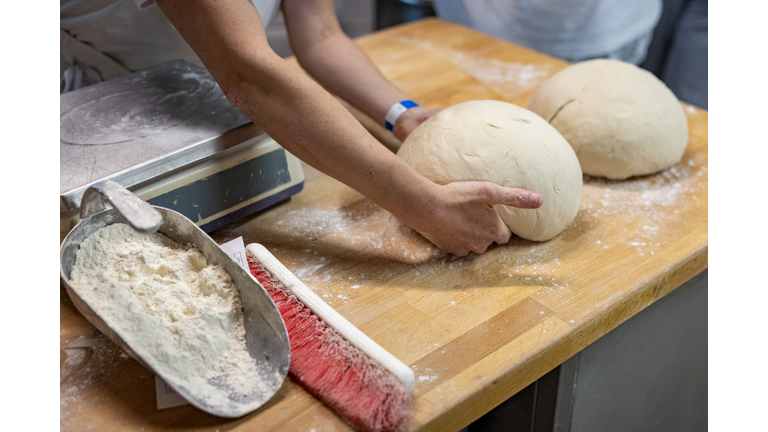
(475, 330)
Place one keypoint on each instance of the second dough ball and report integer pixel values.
(621, 120)
(507, 145)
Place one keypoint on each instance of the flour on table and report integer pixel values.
(177, 312)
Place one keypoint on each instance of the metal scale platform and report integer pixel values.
(170, 136)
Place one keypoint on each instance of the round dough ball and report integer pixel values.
(507, 145)
(620, 119)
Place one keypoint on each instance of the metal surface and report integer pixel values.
(256, 174)
(648, 374)
(568, 372)
(140, 216)
(265, 333)
(530, 410)
(148, 124)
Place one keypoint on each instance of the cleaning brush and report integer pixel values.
(362, 382)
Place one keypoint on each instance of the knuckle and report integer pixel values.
(495, 233)
(515, 198)
(486, 190)
(478, 249)
(504, 239)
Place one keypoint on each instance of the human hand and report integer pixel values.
(460, 217)
(411, 119)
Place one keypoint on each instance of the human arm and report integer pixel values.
(339, 65)
(229, 38)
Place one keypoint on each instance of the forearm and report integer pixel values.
(229, 38)
(312, 125)
(346, 71)
(338, 64)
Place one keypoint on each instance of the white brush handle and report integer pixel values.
(331, 317)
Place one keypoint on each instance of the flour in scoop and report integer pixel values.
(178, 313)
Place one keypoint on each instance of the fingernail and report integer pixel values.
(535, 199)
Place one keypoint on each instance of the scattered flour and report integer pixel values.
(509, 79)
(426, 377)
(181, 315)
(87, 362)
(634, 215)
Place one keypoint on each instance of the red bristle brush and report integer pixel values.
(362, 382)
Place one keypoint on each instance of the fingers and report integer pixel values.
(411, 119)
(450, 248)
(504, 235)
(514, 197)
(477, 243)
(469, 223)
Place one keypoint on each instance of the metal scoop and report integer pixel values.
(266, 337)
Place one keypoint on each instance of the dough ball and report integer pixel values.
(620, 119)
(507, 145)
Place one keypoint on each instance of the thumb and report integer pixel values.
(520, 198)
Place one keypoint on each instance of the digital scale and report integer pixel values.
(170, 136)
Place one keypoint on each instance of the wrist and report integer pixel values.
(417, 205)
(410, 115)
(412, 119)
(396, 111)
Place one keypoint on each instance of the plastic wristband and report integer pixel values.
(396, 111)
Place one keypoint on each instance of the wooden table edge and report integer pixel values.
(552, 356)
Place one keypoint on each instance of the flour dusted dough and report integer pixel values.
(621, 120)
(507, 145)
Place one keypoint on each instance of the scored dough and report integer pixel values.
(621, 120)
(507, 145)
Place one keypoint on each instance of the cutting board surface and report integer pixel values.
(475, 330)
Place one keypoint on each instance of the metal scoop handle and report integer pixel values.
(140, 216)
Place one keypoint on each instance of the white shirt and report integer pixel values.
(267, 8)
(136, 34)
(569, 29)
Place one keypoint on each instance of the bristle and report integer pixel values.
(355, 386)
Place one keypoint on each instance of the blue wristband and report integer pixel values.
(396, 111)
